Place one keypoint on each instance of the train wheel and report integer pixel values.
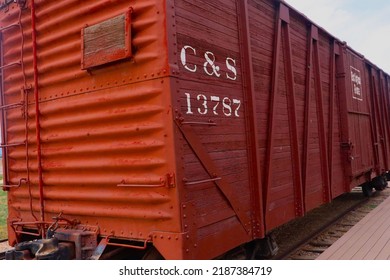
(367, 189)
(379, 183)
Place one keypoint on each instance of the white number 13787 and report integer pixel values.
(215, 104)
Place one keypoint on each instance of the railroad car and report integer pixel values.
(178, 129)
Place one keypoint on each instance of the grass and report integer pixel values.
(3, 213)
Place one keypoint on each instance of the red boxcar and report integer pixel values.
(178, 129)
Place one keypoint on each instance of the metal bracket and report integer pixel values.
(347, 145)
(169, 181)
(21, 181)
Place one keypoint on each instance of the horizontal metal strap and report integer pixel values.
(11, 106)
(189, 183)
(9, 26)
(142, 186)
(27, 232)
(12, 144)
(11, 65)
(200, 123)
(21, 181)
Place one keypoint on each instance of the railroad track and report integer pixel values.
(310, 246)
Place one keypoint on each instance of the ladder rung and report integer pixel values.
(11, 106)
(10, 65)
(21, 181)
(13, 144)
(8, 27)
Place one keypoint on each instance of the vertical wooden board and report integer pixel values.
(281, 191)
(378, 117)
(338, 184)
(386, 112)
(262, 25)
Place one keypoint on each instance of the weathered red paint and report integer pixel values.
(212, 124)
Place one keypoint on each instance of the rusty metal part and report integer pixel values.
(42, 249)
(84, 241)
(99, 250)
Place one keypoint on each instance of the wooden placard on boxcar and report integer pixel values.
(107, 41)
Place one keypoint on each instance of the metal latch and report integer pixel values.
(347, 145)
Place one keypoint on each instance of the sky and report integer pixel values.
(363, 24)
